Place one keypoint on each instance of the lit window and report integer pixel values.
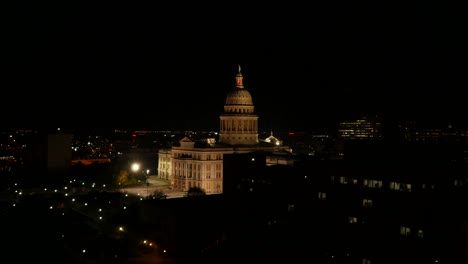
(378, 184)
(373, 183)
(420, 233)
(408, 187)
(395, 186)
(343, 180)
(322, 195)
(367, 202)
(352, 220)
(405, 231)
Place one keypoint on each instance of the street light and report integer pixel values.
(147, 182)
(136, 168)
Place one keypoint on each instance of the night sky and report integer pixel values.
(141, 65)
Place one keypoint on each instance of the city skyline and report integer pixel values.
(125, 66)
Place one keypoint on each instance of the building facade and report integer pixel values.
(365, 128)
(193, 163)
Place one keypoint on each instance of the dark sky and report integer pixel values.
(169, 66)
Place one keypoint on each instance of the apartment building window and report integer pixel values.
(397, 186)
(322, 195)
(343, 180)
(420, 233)
(367, 202)
(373, 183)
(458, 182)
(394, 186)
(406, 187)
(405, 231)
(366, 261)
(352, 219)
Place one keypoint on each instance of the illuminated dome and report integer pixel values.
(238, 99)
(238, 96)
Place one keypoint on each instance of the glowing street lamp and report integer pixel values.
(136, 168)
(147, 183)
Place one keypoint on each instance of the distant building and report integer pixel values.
(43, 157)
(415, 132)
(193, 163)
(365, 128)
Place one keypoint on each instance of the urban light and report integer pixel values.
(136, 168)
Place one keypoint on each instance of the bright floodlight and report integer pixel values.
(135, 167)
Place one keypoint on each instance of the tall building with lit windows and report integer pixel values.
(193, 163)
(365, 128)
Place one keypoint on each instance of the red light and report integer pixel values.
(133, 135)
(291, 133)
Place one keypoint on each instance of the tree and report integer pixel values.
(158, 194)
(123, 178)
(195, 191)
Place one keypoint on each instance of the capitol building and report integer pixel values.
(200, 164)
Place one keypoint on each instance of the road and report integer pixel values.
(154, 184)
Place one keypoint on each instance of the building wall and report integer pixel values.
(165, 164)
(198, 168)
(59, 152)
(239, 129)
